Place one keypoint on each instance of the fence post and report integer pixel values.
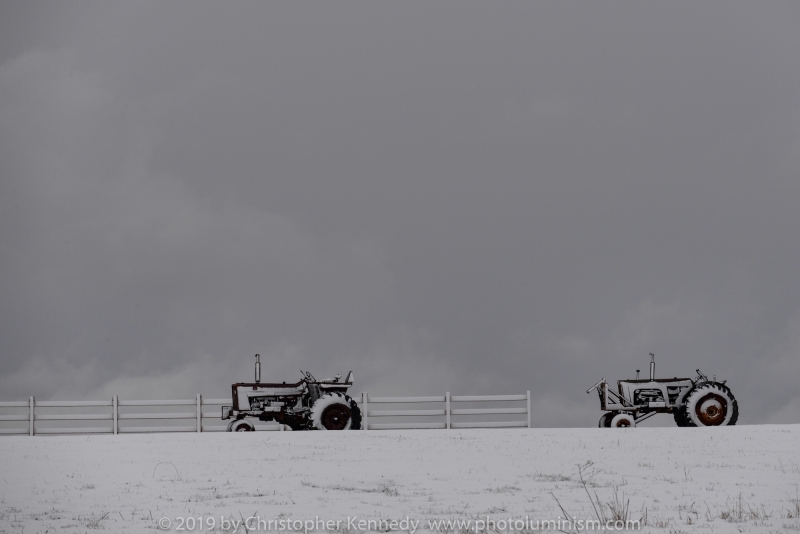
(199, 412)
(447, 407)
(31, 404)
(115, 403)
(365, 410)
(529, 408)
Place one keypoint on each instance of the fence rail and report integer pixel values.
(121, 421)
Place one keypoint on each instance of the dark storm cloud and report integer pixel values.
(450, 196)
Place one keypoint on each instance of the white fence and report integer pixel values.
(442, 409)
(115, 416)
(118, 416)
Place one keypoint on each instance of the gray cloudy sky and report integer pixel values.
(477, 197)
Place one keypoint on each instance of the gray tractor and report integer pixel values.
(692, 402)
(309, 404)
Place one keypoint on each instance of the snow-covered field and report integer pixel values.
(736, 479)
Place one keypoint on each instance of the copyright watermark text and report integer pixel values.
(257, 523)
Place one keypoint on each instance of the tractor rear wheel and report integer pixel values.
(711, 404)
(356, 411)
(680, 417)
(335, 411)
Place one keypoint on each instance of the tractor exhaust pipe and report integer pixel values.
(258, 368)
(652, 366)
(637, 374)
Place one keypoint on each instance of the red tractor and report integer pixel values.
(692, 402)
(309, 404)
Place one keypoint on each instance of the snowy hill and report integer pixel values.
(679, 480)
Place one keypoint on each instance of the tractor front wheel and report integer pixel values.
(605, 420)
(241, 425)
(623, 420)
